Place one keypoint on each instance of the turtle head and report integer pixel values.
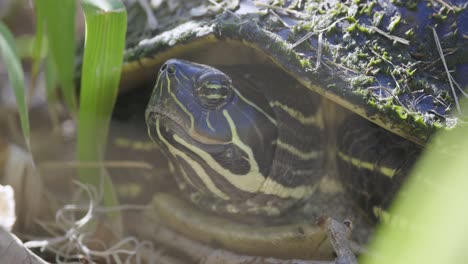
(185, 96)
(221, 143)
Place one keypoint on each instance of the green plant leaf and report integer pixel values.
(59, 17)
(39, 38)
(51, 79)
(11, 60)
(427, 222)
(103, 55)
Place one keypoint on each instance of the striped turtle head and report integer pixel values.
(220, 136)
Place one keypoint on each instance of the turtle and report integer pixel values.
(266, 108)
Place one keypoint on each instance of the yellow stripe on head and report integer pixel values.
(255, 106)
(201, 173)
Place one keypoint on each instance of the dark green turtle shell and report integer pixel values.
(379, 59)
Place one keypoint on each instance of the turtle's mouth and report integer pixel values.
(173, 125)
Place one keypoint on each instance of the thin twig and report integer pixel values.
(390, 36)
(319, 51)
(391, 93)
(339, 234)
(450, 7)
(304, 38)
(218, 5)
(109, 209)
(382, 57)
(396, 82)
(279, 18)
(318, 31)
(290, 11)
(458, 86)
(449, 76)
(342, 66)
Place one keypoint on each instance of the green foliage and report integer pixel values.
(39, 38)
(57, 20)
(426, 223)
(12, 62)
(105, 37)
(102, 60)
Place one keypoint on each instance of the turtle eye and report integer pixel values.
(213, 93)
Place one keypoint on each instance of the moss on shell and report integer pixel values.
(383, 65)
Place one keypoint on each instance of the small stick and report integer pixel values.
(290, 11)
(339, 234)
(449, 76)
(451, 8)
(391, 37)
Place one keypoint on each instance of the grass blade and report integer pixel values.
(59, 16)
(103, 55)
(15, 73)
(427, 221)
(39, 40)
